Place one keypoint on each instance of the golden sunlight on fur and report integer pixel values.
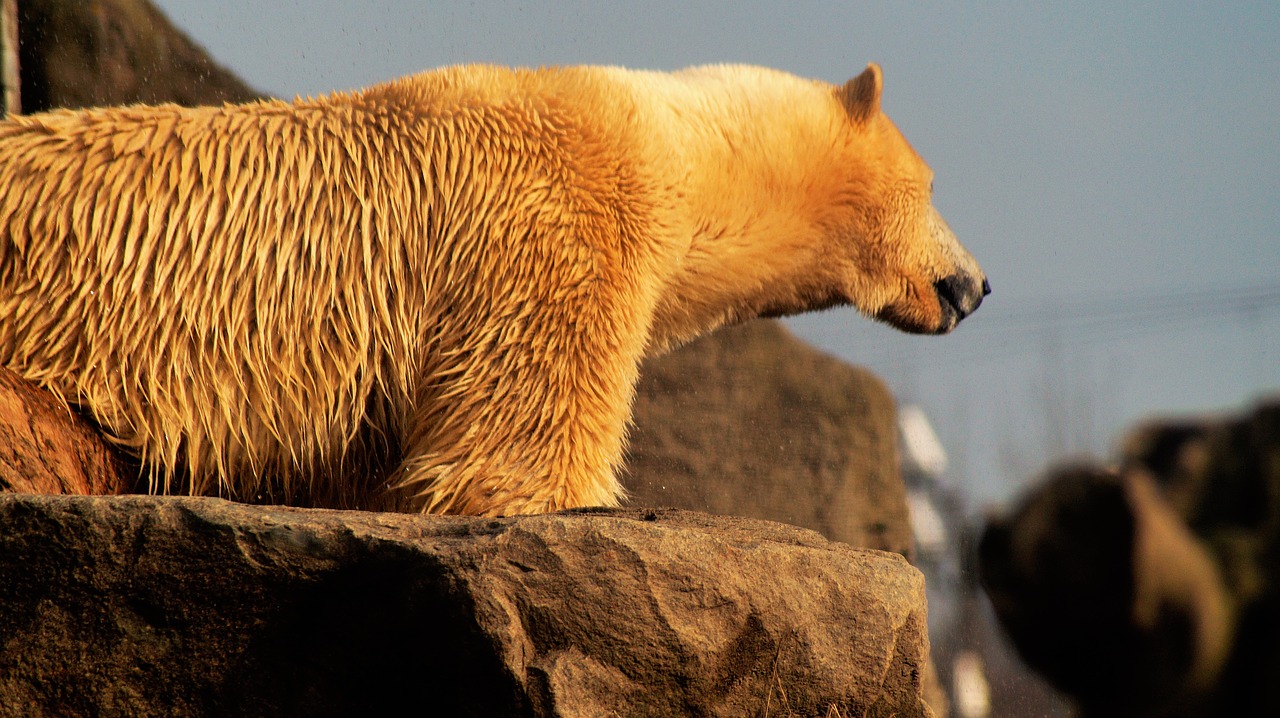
(433, 294)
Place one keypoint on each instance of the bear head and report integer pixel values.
(908, 268)
(806, 196)
(901, 263)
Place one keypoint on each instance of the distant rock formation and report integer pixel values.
(1154, 589)
(75, 53)
(751, 421)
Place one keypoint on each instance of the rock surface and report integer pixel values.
(46, 449)
(175, 606)
(751, 421)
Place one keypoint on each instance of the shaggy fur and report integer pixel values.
(434, 294)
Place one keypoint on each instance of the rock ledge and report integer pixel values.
(142, 606)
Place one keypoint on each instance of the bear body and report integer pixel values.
(434, 294)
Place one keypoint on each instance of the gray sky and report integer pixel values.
(1114, 166)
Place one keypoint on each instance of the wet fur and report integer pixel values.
(434, 294)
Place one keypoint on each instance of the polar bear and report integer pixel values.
(434, 294)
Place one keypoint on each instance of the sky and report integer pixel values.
(1115, 167)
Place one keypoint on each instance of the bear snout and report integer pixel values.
(959, 295)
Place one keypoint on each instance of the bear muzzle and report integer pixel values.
(959, 295)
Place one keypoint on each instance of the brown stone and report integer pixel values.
(164, 606)
(113, 52)
(47, 449)
(1152, 589)
(751, 421)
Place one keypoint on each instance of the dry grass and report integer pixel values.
(784, 709)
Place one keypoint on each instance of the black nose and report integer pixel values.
(959, 295)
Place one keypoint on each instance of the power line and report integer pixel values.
(1134, 308)
(1071, 323)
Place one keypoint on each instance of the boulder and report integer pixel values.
(47, 449)
(191, 606)
(751, 421)
(1152, 589)
(113, 52)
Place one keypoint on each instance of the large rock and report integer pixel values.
(161, 606)
(751, 421)
(1152, 589)
(76, 53)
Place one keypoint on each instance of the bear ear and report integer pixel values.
(861, 95)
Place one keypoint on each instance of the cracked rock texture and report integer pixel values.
(191, 606)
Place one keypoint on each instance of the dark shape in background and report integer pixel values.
(78, 53)
(1153, 590)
